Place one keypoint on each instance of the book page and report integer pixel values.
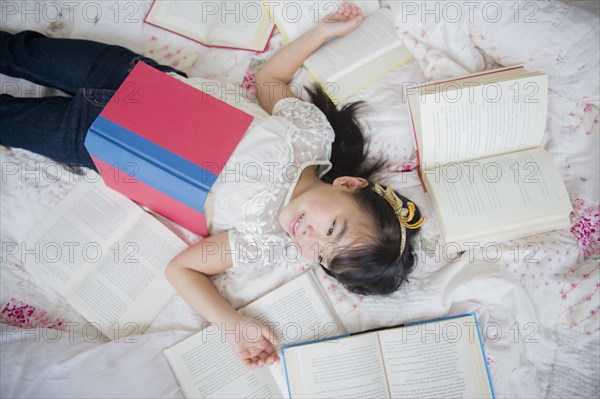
(362, 75)
(498, 198)
(78, 233)
(435, 360)
(297, 312)
(126, 290)
(372, 38)
(206, 367)
(189, 17)
(340, 368)
(106, 256)
(245, 23)
(293, 18)
(462, 123)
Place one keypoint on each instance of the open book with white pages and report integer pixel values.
(242, 25)
(478, 142)
(106, 255)
(436, 358)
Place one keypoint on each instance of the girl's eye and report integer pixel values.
(331, 228)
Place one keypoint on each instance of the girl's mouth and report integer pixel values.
(294, 224)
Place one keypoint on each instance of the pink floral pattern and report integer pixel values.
(585, 116)
(167, 53)
(580, 298)
(24, 315)
(345, 303)
(406, 167)
(248, 80)
(585, 219)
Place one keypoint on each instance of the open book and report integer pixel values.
(478, 148)
(348, 63)
(106, 256)
(242, 25)
(438, 358)
(206, 367)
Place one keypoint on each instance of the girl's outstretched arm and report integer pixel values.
(190, 271)
(273, 77)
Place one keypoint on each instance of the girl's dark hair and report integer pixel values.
(372, 266)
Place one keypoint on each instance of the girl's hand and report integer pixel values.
(253, 342)
(346, 19)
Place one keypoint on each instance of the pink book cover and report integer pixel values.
(177, 117)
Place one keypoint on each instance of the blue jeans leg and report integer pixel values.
(68, 64)
(56, 126)
(52, 126)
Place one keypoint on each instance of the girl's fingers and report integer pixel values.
(345, 13)
(349, 10)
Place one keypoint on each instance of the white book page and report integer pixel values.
(480, 121)
(127, 289)
(79, 233)
(246, 23)
(192, 18)
(502, 195)
(297, 312)
(434, 360)
(206, 367)
(293, 18)
(372, 38)
(359, 77)
(341, 368)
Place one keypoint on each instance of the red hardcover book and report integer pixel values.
(163, 144)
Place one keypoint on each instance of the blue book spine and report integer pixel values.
(157, 167)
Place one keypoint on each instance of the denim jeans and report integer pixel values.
(88, 71)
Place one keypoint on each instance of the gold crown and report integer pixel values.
(404, 215)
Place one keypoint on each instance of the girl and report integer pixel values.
(359, 232)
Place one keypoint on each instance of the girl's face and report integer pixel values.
(323, 219)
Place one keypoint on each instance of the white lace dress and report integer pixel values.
(259, 178)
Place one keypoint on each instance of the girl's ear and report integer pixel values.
(350, 183)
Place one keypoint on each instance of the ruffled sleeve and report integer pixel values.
(311, 135)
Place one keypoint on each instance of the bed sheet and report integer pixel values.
(536, 298)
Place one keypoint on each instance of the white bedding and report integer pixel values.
(537, 300)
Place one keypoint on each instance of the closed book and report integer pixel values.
(163, 144)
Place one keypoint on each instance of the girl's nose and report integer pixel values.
(313, 233)
(308, 232)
